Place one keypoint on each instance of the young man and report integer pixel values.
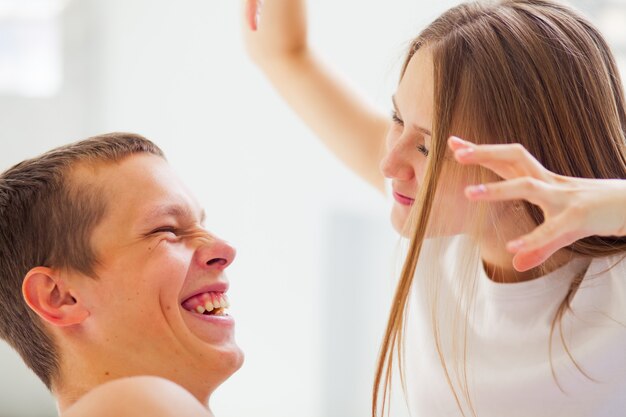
(111, 289)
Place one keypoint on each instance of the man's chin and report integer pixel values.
(232, 358)
(222, 363)
(216, 337)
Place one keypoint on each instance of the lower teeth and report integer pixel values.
(216, 312)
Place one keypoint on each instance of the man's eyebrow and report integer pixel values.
(419, 128)
(173, 210)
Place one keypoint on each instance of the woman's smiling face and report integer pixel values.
(156, 262)
(408, 144)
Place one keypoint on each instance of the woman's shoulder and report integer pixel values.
(138, 395)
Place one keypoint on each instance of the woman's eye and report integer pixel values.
(422, 149)
(399, 122)
(396, 120)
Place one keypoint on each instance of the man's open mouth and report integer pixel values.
(207, 304)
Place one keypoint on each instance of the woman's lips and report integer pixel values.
(402, 199)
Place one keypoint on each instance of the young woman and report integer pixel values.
(518, 284)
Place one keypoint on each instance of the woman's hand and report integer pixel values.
(275, 31)
(574, 208)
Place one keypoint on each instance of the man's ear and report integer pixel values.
(48, 296)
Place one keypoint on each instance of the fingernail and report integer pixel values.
(457, 140)
(257, 17)
(463, 153)
(515, 245)
(476, 190)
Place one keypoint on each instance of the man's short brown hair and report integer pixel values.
(46, 219)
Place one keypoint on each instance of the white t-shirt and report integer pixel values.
(509, 371)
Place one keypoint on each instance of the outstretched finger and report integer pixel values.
(523, 261)
(456, 143)
(498, 158)
(524, 188)
(536, 247)
(253, 13)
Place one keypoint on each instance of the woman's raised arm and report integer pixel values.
(276, 40)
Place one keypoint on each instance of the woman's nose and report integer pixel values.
(396, 164)
(215, 254)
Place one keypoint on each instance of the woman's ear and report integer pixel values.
(49, 296)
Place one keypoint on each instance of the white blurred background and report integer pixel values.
(316, 263)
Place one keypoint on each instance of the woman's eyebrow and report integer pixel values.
(419, 128)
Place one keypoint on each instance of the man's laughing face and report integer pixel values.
(158, 305)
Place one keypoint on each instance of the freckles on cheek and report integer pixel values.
(155, 244)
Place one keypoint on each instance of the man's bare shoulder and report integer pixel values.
(137, 396)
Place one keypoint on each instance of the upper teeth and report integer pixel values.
(207, 302)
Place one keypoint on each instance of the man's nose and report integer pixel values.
(215, 254)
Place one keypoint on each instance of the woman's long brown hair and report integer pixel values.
(533, 72)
